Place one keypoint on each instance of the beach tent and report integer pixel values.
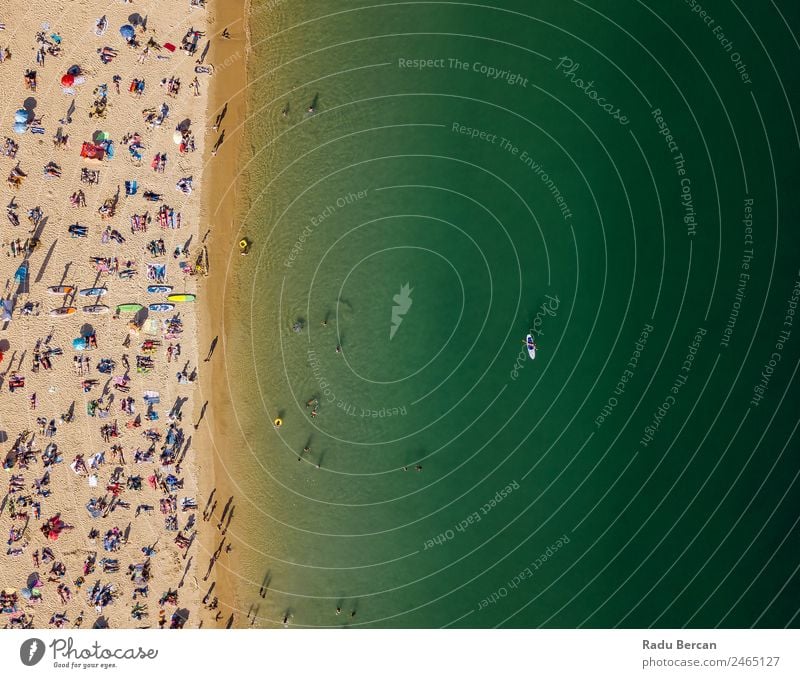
(20, 127)
(21, 115)
(22, 273)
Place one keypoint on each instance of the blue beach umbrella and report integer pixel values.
(127, 31)
(20, 127)
(21, 115)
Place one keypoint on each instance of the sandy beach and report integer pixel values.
(220, 202)
(113, 133)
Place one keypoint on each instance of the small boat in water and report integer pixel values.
(61, 289)
(531, 346)
(129, 308)
(160, 307)
(63, 311)
(93, 292)
(181, 297)
(159, 289)
(96, 309)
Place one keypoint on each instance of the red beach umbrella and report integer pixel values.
(67, 80)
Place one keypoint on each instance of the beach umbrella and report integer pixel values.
(177, 136)
(127, 31)
(20, 127)
(21, 115)
(67, 80)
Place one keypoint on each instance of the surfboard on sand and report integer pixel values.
(95, 309)
(129, 308)
(161, 307)
(93, 292)
(181, 297)
(61, 289)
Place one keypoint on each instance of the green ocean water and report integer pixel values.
(617, 178)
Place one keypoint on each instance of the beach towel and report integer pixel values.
(92, 152)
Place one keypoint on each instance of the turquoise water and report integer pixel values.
(607, 190)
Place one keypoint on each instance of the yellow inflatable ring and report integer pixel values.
(278, 422)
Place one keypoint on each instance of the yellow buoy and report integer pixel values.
(278, 422)
(244, 246)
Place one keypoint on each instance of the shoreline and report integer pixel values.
(219, 210)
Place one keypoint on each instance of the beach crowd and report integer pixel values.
(102, 144)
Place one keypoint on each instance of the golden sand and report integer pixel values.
(221, 202)
(71, 39)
